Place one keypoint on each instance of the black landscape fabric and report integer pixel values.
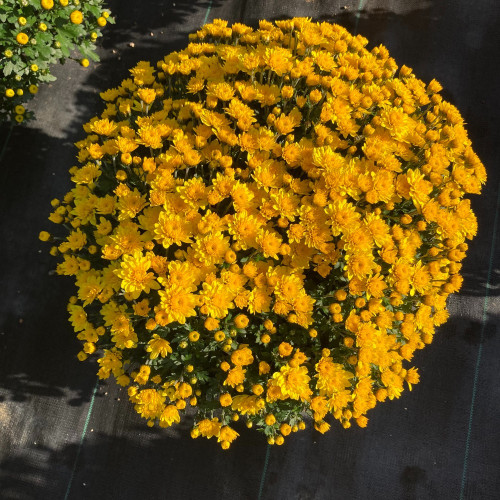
(62, 436)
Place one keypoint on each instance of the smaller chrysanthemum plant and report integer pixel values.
(34, 34)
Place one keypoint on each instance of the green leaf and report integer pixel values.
(47, 78)
(44, 37)
(96, 11)
(88, 53)
(44, 51)
(30, 52)
(71, 31)
(66, 44)
(65, 50)
(8, 68)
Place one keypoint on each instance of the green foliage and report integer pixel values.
(35, 34)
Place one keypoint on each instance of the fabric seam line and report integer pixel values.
(6, 143)
(208, 12)
(361, 4)
(480, 350)
(264, 471)
(84, 431)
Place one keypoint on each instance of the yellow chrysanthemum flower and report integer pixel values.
(270, 219)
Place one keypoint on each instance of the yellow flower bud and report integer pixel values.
(76, 17)
(194, 336)
(22, 38)
(270, 419)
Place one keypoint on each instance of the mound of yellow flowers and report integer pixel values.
(266, 226)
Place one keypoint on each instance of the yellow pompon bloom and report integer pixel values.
(412, 377)
(149, 403)
(244, 227)
(146, 95)
(143, 376)
(243, 114)
(269, 243)
(123, 333)
(217, 299)
(359, 265)
(179, 274)
(131, 204)
(223, 91)
(158, 347)
(172, 229)
(294, 382)
(109, 363)
(343, 216)
(242, 357)
(90, 285)
(322, 426)
(259, 301)
(332, 377)
(126, 144)
(169, 416)
(227, 435)
(235, 376)
(225, 399)
(319, 405)
(195, 85)
(285, 203)
(194, 193)
(285, 124)
(76, 240)
(103, 127)
(419, 188)
(241, 321)
(76, 17)
(87, 174)
(209, 428)
(288, 288)
(393, 382)
(211, 248)
(143, 73)
(177, 304)
(78, 317)
(150, 137)
(22, 38)
(398, 123)
(248, 405)
(135, 276)
(278, 60)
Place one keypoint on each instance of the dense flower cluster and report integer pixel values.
(266, 226)
(37, 33)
